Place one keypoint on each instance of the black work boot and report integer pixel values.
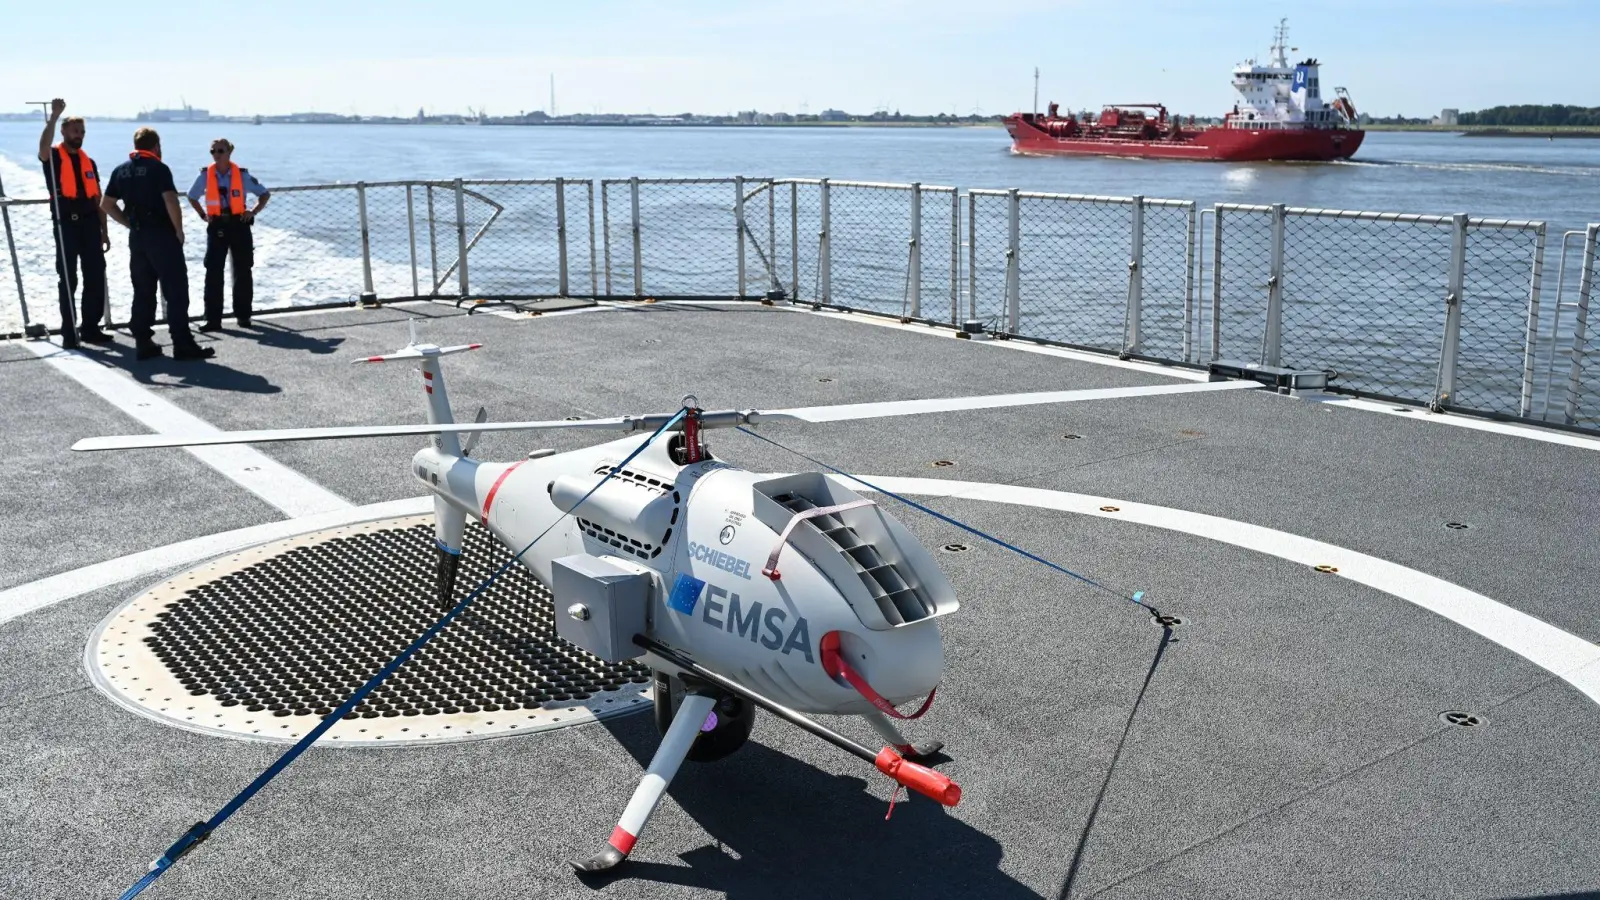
(147, 350)
(192, 351)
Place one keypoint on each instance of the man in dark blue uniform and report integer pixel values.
(149, 209)
(78, 226)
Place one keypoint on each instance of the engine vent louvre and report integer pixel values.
(897, 598)
(640, 548)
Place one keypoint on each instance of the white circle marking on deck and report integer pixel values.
(1565, 655)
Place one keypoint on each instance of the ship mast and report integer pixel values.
(1280, 41)
(1036, 90)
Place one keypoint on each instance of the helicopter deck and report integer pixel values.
(1348, 576)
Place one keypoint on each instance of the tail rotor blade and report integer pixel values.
(472, 436)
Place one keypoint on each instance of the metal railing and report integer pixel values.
(1447, 311)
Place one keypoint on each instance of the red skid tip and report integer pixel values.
(622, 840)
(474, 346)
(923, 780)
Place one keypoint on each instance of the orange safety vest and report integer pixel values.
(235, 191)
(68, 185)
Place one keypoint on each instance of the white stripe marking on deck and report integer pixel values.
(26, 598)
(1558, 652)
(1416, 413)
(1561, 653)
(290, 492)
(1001, 401)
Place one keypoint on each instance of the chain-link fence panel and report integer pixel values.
(1580, 376)
(869, 230)
(988, 257)
(1364, 296)
(1500, 294)
(1241, 273)
(686, 242)
(519, 251)
(1073, 269)
(1166, 270)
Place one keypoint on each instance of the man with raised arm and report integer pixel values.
(77, 224)
(150, 212)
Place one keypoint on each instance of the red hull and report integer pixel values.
(1214, 144)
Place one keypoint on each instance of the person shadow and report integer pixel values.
(276, 336)
(166, 372)
(786, 829)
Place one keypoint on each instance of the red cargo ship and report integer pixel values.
(1278, 114)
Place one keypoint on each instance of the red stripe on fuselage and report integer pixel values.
(495, 489)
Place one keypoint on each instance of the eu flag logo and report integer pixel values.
(685, 594)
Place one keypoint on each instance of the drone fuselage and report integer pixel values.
(704, 532)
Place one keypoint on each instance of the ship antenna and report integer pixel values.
(1036, 90)
(1279, 42)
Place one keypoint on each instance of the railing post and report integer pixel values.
(638, 246)
(594, 272)
(738, 228)
(794, 240)
(411, 237)
(774, 283)
(824, 251)
(1450, 346)
(605, 229)
(1190, 258)
(461, 238)
(369, 297)
(1013, 263)
(433, 247)
(1133, 337)
(914, 263)
(1531, 341)
(955, 255)
(1580, 329)
(1272, 338)
(561, 236)
(972, 256)
(1216, 285)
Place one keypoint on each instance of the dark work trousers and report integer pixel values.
(228, 236)
(80, 244)
(156, 258)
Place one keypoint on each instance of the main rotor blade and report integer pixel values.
(141, 441)
(852, 411)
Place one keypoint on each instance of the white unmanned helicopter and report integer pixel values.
(788, 592)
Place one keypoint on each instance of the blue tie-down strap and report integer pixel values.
(191, 839)
(202, 830)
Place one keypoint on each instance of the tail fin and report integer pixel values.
(432, 384)
(449, 523)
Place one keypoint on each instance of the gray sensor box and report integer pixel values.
(601, 603)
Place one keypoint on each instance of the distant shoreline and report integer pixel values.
(1516, 131)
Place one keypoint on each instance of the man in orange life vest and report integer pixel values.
(224, 186)
(80, 231)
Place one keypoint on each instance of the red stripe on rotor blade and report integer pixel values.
(495, 489)
(427, 375)
(622, 840)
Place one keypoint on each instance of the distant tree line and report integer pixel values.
(1553, 115)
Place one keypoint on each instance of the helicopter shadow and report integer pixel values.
(786, 829)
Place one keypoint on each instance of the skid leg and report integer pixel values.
(886, 729)
(674, 747)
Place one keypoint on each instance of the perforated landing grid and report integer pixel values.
(264, 644)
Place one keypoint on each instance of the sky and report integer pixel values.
(1410, 57)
